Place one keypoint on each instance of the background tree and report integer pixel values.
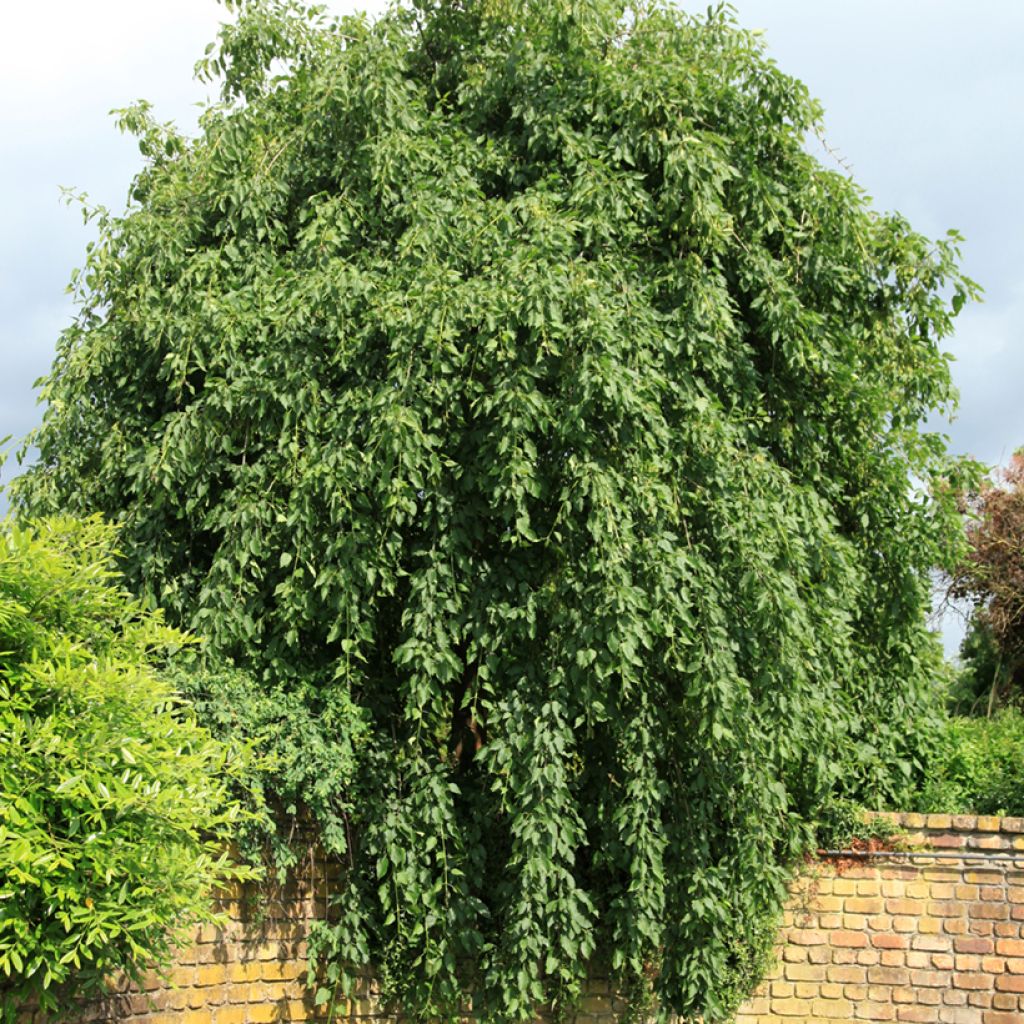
(991, 576)
(114, 811)
(509, 392)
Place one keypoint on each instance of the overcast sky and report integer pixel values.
(924, 100)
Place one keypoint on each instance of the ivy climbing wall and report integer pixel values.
(891, 937)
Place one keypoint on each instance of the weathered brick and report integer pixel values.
(983, 876)
(281, 970)
(182, 976)
(827, 904)
(851, 975)
(1005, 1001)
(831, 1009)
(988, 911)
(923, 1014)
(865, 905)
(805, 972)
(848, 939)
(888, 976)
(902, 906)
(264, 1013)
(973, 944)
(211, 974)
(230, 1015)
(874, 1011)
(929, 979)
(960, 1015)
(986, 842)
(791, 1007)
(1009, 983)
(1010, 947)
(972, 980)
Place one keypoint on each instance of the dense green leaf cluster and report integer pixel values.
(504, 383)
(977, 767)
(113, 807)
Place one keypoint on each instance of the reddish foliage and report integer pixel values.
(871, 844)
(992, 575)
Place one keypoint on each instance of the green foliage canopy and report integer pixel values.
(506, 384)
(114, 813)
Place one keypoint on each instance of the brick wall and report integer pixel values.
(887, 939)
(895, 939)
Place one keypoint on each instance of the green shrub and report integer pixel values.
(978, 767)
(113, 809)
(842, 823)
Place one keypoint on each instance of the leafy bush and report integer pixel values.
(506, 388)
(307, 757)
(845, 822)
(113, 810)
(978, 767)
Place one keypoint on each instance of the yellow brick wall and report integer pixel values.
(921, 941)
(927, 941)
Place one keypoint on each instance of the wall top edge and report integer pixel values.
(951, 822)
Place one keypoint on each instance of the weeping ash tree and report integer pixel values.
(534, 429)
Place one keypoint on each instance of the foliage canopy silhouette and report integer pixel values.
(506, 388)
